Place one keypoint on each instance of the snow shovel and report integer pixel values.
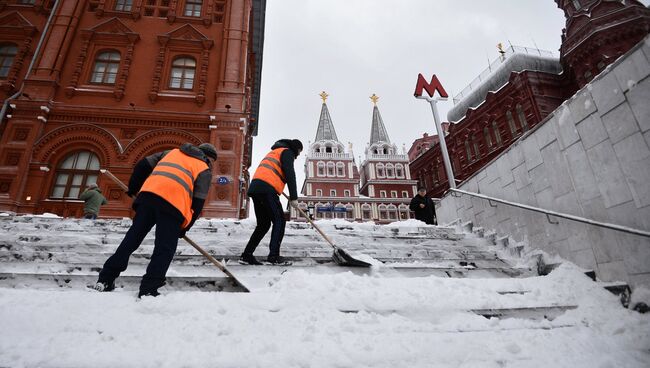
(235, 282)
(339, 256)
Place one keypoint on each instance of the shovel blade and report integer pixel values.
(342, 258)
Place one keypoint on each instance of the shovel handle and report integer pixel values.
(188, 240)
(312, 223)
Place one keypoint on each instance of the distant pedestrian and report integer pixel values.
(172, 186)
(424, 208)
(274, 172)
(93, 200)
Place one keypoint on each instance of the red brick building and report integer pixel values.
(335, 188)
(102, 83)
(525, 85)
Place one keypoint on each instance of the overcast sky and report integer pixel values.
(354, 48)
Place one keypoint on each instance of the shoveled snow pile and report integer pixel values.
(332, 320)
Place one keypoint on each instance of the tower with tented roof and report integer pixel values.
(385, 175)
(331, 186)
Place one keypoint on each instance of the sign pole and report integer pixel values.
(431, 88)
(443, 143)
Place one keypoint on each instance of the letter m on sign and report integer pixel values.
(430, 87)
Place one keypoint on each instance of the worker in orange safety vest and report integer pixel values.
(171, 188)
(274, 172)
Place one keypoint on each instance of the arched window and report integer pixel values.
(468, 150)
(488, 137)
(123, 5)
(349, 212)
(497, 134)
(7, 55)
(330, 169)
(182, 74)
(511, 123)
(74, 173)
(522, 117)
(380, 171)
(366, 213)
(193, 8)
(390, 171)
(319, 192)
(399, 170)
(321, 168)
(340, 169)
(403, 212)
(107, 64)
(392, 212)
(339, 213)
(477, 153)
(383, 213)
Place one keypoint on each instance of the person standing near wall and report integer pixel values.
(424, 208)
(274, 172)
(93, 200)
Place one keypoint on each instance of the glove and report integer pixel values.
(181, 234)
(294, 203)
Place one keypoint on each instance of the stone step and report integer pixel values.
(130, 282)
(548, 312)
(308, 265)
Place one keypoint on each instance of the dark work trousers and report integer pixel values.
(168, 229)
(268, 210)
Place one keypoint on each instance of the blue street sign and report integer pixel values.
(222, 180)
(331, 209)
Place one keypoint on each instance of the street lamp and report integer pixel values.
(310, 211)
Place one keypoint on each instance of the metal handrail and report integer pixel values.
(549, 213)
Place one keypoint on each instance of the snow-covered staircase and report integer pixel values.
(42, 252)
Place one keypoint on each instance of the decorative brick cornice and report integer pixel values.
(86, 134)
(153, 141)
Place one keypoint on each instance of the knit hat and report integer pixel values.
(296, 146)
(209, 150)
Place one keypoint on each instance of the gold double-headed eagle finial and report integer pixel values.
(374, 99)
(323, 96)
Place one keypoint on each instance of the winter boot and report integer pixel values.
(278, 260)
(153, 293)
(249, 259)
(102, 286)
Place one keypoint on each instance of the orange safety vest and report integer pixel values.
(270, 170)
(173, 180)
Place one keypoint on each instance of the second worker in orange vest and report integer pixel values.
(172, 186)
(275, 170)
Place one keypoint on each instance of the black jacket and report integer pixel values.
(426, 214)
(286, 159)
(144, 168)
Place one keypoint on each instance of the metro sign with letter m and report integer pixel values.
(430, 87)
